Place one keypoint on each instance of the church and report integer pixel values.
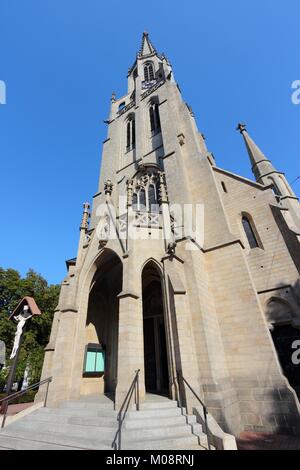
(183, 269)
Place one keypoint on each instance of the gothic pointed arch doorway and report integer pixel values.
(102, 323)
(154, 328)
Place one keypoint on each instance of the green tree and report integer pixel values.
(12, 289)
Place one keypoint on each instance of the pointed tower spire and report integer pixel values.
(146, 48)
(261, 166)
(266, 174)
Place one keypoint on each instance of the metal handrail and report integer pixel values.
(116, 444)
(4, 401)
(205, 412)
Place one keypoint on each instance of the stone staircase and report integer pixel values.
(91, 423)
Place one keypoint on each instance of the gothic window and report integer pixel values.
(152, 199)
(276, 191)
(148, 72)
(275, 188)
(130, 134)
(133, 133)
(154, 118)
(142, 200)
(249, 231)
(135, 202)
(145, 192)
(121, 105)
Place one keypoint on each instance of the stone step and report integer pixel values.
(91, 423)
(154, 413)
(106, 421)
(13, 443)
(96, 399)
(175, 442)
(27, 425)
(86, 441)
(86, 412)
(156, 405)
(157, 431)
(132, 423)
(91, 405)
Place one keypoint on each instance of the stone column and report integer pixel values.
(63, 358)
(184, 351)
(131, 345)
(48, 359)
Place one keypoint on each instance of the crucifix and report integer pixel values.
(22, 313)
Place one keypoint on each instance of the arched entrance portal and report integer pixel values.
(102, 327)
(287, 343)
(155, 347)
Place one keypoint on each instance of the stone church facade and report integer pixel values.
(145, 292)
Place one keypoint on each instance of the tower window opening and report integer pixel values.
(142, 200)
(275, 189)
(249, 231)
(130, 134)
(145, 197)
(152, 199)
(224, 187)
(154, 118)
(121, 105)
(135, 202)
(148, 72)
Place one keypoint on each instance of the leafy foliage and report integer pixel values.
(12, 289)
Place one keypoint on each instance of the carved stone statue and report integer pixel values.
(103, 232)
(129, 191)
(171, 248)
(108, 187)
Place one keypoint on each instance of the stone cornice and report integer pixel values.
(168, 155)
(126, 108)
(223, 245)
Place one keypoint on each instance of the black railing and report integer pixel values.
(6, 400)
(181, 383)
(134, 387)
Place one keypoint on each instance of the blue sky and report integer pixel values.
(61, 60)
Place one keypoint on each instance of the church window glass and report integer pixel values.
(253, 242)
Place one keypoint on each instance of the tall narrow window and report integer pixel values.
(152, 199)
(154, 118)
(275, 188)
(130, 134)
(133, 133)
(224, 187)
(135, 202)
(148, 72)
(253, 242)
(157, 118)
(142, 205)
